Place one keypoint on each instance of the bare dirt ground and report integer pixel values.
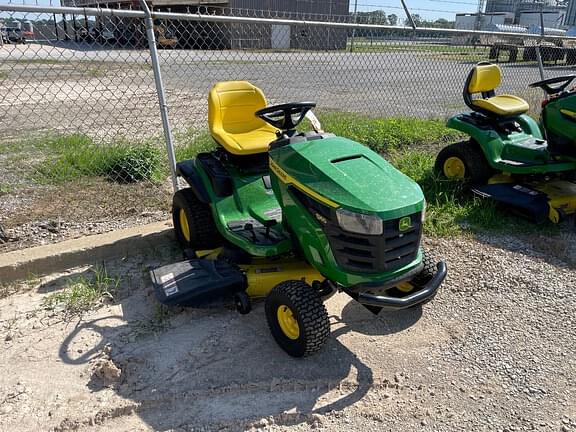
(493, 352)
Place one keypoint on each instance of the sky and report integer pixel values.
(427, 9)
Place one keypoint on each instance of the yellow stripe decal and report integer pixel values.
(568, 113)
(286, 178)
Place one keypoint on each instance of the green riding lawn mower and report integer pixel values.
(293, 217)
(509, 157)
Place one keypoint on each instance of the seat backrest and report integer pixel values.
(231, 107)
(483, 78)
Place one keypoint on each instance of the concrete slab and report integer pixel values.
(46, 259)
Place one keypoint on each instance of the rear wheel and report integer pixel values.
(463, 161)
(297, 318)
(193, 222)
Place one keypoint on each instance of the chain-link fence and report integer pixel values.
(83, 148)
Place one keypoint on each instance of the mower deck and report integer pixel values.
(209, 279)
(537, 200)
(199, 281)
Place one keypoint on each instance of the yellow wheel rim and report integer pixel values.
(288, 323)
(454, 168)
(184, 227)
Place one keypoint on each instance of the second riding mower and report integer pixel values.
(292, 217)
(509, 157)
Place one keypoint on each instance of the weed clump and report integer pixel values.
(83, 293)
(134, 163)
(75, 156)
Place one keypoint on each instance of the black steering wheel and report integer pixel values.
(285, 116)
(545, 84)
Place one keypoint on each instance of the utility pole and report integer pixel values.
(355, 21)
(478, 22)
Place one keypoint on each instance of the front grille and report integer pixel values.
(366, 253)
(373, 254)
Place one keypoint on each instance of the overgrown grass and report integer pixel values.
(74, 156)
(451, 209)
(3, 74)
(386, 134)
(191, 142)
(83, 293)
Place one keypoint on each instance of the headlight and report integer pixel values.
(359, 223)
(424, 212)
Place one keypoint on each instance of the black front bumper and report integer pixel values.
(425, 293)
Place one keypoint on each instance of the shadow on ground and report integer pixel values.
(199, 367)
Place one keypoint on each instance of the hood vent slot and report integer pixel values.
(346, 158)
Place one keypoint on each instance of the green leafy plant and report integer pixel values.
(83, 293)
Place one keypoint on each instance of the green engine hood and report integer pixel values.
(351, 175)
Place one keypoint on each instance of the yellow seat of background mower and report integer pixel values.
(503, 105)
(231, 108)
(485, 78)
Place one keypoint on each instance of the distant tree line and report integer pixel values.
(380, 17)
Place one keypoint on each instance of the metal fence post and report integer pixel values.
(538, 54)
(161, 94)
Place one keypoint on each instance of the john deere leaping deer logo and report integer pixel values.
(405, 223)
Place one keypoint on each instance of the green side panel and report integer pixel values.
(316, 248)
(351, 175)
(250, 201)
(489, 140)
(530, 126)
(498, 147)
(562, 125)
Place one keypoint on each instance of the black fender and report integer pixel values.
(188, 171)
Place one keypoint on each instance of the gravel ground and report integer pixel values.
(494, 351)
(33, 216)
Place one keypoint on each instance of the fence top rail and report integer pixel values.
(67, 10)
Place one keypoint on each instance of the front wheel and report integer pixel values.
(427, 273)
(463, 161)
(428, 270)
(297, 318)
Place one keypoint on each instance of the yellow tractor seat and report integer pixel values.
(484, 78)
(231, 119)
(503, 105)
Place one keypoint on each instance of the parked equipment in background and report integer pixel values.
(16, 32)
(165, 35)
(510, 157)
(292, 217)
(14, 35)
(27, 29)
